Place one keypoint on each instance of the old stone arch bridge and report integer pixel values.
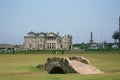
(69, 65)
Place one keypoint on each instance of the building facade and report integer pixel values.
(47, 40)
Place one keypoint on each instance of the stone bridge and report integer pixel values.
(69, 65)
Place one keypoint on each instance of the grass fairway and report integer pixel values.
(23, 66)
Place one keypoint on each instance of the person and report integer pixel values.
(13, 50)
(62, 51)
(54, 52)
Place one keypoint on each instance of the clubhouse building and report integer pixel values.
(48, 40)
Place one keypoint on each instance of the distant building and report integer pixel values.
(91, 38)
(47, 41)
(115, 46)
(6, 46)
(97, 46)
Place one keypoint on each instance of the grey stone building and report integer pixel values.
(47, 41)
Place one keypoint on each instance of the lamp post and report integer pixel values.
(119, 32)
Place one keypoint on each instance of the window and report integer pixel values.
(40, 46)
(40, 40)
(61, 45)
(30, 40)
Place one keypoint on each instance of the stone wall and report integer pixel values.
(80, 59)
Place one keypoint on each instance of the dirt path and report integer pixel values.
(84, 68)
(23, 74)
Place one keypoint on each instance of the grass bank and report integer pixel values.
(23, 66)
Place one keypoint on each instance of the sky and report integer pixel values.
(75, 17)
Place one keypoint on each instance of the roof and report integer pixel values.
(53, 34)
(31, 32)
(6, 46)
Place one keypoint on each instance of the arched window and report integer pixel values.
(61, 46)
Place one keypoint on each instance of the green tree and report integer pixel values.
(115, 36)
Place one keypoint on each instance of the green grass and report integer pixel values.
(23, 66)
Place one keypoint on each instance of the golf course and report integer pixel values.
(22, 65)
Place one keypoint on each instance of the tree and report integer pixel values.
(115, 36)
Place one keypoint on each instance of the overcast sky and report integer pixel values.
(75, 17)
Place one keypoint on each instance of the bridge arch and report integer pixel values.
(57, 70)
